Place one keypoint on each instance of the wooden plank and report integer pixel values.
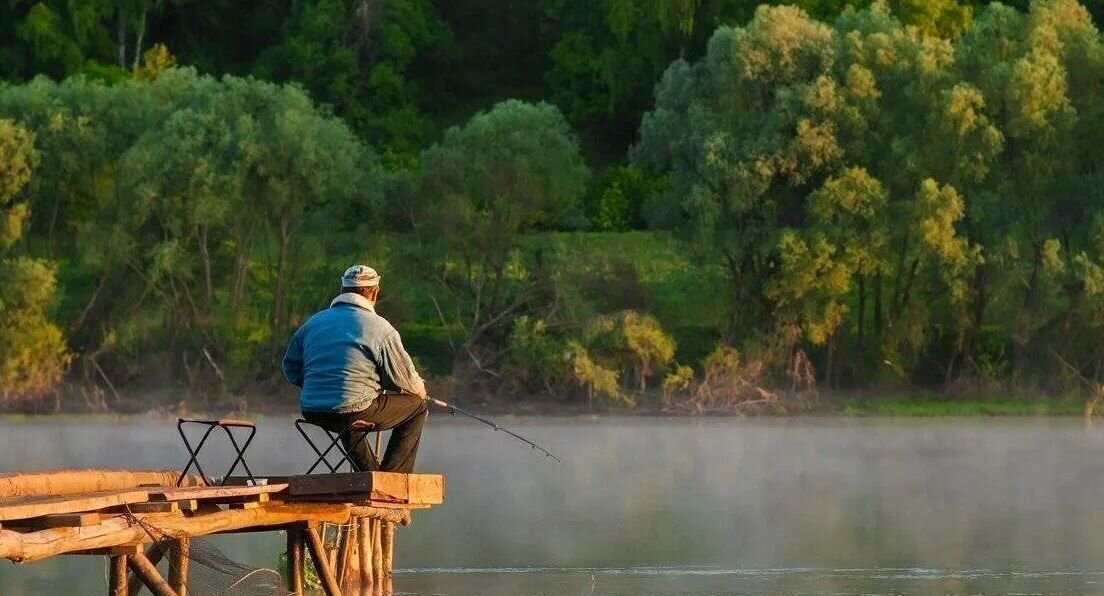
(162, 506)
(376, 486)
(65, 520)
(213, 493)
(28, 507)
(356, 501)
(427, 489)
(33, 546)
(69, 482)
(261, 480)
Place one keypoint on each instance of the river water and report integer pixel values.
(685, 506)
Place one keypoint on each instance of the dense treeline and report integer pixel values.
(893, 195)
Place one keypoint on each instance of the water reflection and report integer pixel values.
(718, 506)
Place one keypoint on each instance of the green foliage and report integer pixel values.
(33, 354)
(535, 358)
(943, 18)
(510, 170)
(908, 191)
(201, 197)
(884, 186)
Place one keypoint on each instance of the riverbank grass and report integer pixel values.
(937, 406)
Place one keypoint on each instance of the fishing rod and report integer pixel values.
(455, 410)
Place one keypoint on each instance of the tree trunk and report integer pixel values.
(279, 293)
(209, 290)
(140, 33)
(120, 34)
(877, 317)
(1024, 321)
(860, 329)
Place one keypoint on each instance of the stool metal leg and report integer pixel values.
(193, 454)
(241, 454)
(335, 443)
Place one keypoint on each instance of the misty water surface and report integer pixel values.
(687, 507)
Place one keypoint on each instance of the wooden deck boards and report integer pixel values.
(213, 493)
(414, 489)
(38, 506)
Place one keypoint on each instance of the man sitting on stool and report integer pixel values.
(343, 358)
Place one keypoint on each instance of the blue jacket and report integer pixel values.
(343, 356)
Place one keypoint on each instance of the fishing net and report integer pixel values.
(206, 569)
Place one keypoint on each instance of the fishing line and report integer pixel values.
(455, 410)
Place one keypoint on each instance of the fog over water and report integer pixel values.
(685, 506)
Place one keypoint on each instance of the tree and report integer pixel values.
(512, 169)
(356, 56)
(33, 354)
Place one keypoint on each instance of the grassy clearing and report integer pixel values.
(934, 406)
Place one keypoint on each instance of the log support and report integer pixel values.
(364, 551)
(117, 578)
(178, 566)
(321, 562)
(295, 560)
(377, 550)
(151, 578)
(153, 555)
(387, 541)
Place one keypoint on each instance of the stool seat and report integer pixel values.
(334, 440)
(221, 422)
(226, 424)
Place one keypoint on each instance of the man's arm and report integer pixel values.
(293, 361)
(398, 368)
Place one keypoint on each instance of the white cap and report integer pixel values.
(360, 276)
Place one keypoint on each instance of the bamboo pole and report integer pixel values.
(117, 580)
(318, 556)
(364, 548)
(178, 566)
(118, 531)
(295, 561)
(387, 540)
(140, 565)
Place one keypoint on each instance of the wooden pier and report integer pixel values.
(137, 517)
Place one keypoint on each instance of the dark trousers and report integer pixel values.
(403, 414)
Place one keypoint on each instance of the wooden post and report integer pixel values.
(377, 550)
(154, 554)
(364, 551)
(387, 541)
(321, 563)
(149, 575)
(331, 551)
(178, 566)
(117, 581)
(295, 560)
(344, 553)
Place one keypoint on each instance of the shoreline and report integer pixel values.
(844, 405)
